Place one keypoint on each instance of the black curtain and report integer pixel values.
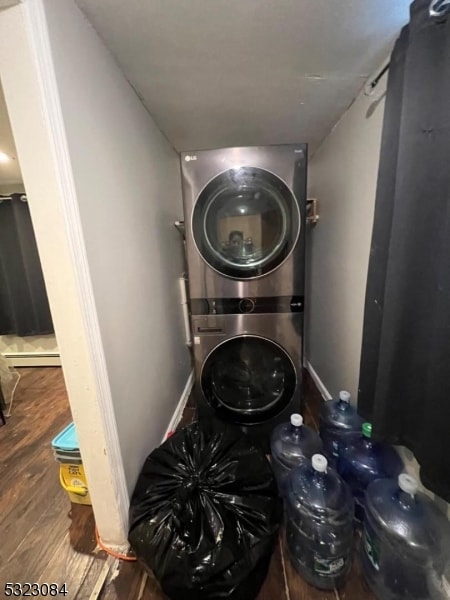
(404, 386)
(24, 308)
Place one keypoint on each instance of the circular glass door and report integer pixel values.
(248, 379)
(245, 222)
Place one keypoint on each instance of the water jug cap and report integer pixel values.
(296, 420)
(367, 430)
(344, 396)
(407, 484)
(319, 463)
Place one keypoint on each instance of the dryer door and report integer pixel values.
(245, 222)
(248, 379)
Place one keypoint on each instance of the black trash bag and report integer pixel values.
(205, 515)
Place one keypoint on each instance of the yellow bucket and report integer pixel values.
(73, 480)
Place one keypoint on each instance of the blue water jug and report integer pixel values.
(364, 460)
(319, 523)
(339, 424)
(405, 544)
(291, 443)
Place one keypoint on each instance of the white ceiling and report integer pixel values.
(10, 171)
(244, 72)
(240, 72)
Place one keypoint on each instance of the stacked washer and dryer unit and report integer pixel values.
(245, 215)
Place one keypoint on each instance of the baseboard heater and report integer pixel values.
(33, 359)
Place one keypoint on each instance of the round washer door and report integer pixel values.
(245, 222)
(248, 379)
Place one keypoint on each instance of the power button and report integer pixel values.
(247, 305)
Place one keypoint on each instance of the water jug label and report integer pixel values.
(372, 549)
(328, 566)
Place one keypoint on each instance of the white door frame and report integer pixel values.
(28, 78)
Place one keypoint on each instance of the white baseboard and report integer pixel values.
(319, 383)
(176, 417)
(33, 359)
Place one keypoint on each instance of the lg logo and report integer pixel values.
(190, 157)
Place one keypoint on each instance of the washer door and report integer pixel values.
(248, 379)
(245, 222)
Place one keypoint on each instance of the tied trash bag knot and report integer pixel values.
(192, 483)
(205, 515)
(189, 491)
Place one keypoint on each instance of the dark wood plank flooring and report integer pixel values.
(44, 538)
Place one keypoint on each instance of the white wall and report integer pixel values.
(27, 76)
(128, 188)
(342, 176)
(103, 180)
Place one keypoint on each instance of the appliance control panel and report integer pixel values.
(236, 306)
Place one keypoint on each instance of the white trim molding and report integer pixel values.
(35, 21)
(319, 383)
(176, 417)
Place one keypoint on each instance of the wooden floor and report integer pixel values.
(43, 538)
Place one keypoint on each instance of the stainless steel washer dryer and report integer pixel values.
(244, 214)
(249, 368)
